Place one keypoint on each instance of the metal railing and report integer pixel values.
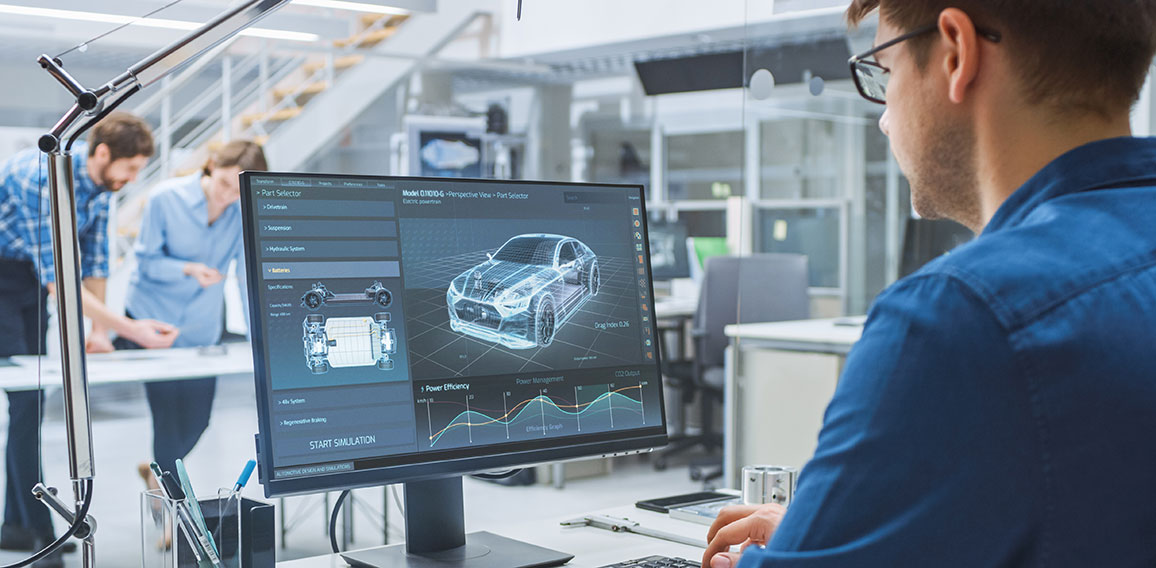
(187, 132)
(183, 137)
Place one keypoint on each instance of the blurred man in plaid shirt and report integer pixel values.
(116, 151)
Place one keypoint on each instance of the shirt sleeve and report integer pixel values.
(94, 242)
(32, 227)
(152, 259)
(927, 454)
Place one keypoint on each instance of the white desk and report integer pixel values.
(779, 379)
(674, 307)
(835, 335)
(134, 366)
(591, 547)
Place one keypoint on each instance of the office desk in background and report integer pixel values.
(133, 366)
(779, 379)
(672, 315)
(674, 307)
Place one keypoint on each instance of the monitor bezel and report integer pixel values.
(646, 439)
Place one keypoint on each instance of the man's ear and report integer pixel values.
(960, 63)
(101, 153)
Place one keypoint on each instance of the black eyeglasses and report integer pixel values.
(871, 77)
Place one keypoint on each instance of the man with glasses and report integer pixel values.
(1000, 407)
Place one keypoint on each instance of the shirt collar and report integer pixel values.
(193, 196)
(191, 191)
(1114, 162)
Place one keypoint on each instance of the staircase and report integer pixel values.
(393, 55)
(293, 104)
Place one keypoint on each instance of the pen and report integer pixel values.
(194, 505)
(178, 495)
(244, 477)
(166, 487)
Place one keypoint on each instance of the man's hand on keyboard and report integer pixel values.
(740, 524)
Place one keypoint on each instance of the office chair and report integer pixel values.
(750, 289)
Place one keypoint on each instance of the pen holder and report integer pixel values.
(242, 531)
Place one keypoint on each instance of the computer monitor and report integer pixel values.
(417, 329)
(927, 239)
(668, 250)
(701, 248)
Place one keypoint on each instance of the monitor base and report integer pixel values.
(482, 550)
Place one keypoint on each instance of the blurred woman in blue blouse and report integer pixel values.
(190, 233)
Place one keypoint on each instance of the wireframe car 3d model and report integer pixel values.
(348, 342)
(319, 295)
(525, 291)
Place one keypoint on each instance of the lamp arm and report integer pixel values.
(154, 67)
(95, 105)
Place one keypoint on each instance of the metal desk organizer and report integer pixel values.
(764, 484)
(242, 530)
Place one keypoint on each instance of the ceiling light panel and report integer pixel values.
(97, 17)
(353, 6)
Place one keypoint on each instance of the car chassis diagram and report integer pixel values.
(319, 296)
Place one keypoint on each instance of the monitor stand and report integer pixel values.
(435, 537)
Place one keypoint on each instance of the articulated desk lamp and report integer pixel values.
(91, 106)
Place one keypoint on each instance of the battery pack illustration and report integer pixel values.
(348, 342)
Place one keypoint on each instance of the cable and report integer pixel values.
(333, 521)
(397, 500)
(40, 331)
(84, 44)
(80, 519)
(108, 109)
(337, 511)
(496, 476)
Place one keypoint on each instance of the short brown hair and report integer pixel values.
(1079, 55)
(244, 154)
(125, 135)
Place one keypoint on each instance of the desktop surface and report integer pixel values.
(592, 547)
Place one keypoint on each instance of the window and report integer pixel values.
(810, 231)
(566, 254)
(706, 166)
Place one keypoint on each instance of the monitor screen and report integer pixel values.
(668, 250)
(411, 328)
(928, 239)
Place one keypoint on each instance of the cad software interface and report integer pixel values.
(404, 320)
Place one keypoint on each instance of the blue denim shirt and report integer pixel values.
(176, 231)
(1000, 408)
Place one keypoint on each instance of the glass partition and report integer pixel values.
(820, 185)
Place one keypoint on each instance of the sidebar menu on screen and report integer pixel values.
(334, 322)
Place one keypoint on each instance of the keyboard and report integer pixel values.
(656, 562)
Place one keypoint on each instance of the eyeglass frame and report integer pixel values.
(861, 59)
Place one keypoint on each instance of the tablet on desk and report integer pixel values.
(851, 321)
(665, 504)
